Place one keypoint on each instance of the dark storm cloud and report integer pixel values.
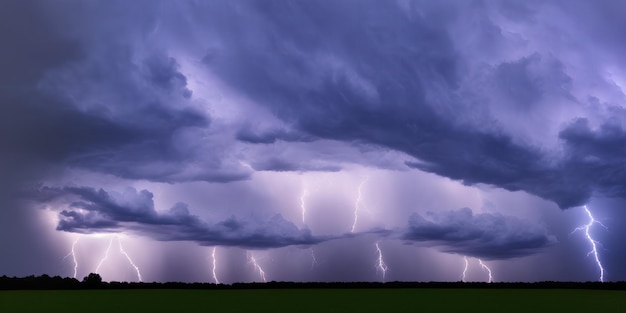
(597, 157)
(96, 211)
(374, 73)
(284, 165)
(99, 96)
(250, 135)
(487, 236)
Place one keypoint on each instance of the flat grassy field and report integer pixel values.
(315, 300)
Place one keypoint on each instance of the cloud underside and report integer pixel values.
(93, 211)
(322, 82)
(485, 236)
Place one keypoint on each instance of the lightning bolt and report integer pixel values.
(258, 268)
(380, 263)
(303, 204)
(357, 205)
(119, 241)
(106, 255)
(485, 267)
(313, 258)
(214, 266)
(73, 254)
(465, 268)
(594, 244)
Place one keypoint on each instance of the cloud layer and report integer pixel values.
(486, 236)
(93, 211)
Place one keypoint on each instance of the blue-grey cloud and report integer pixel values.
(486, 236)
(98, 211)
(392, 79)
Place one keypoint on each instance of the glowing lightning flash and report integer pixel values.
(380, 263)
(73, 254)
(303, 204)
(485, 267)
(357, 206)
(594, 243)
(258, 268)
(465, 268)
(106, 255)
(119, 241)
(214, 266)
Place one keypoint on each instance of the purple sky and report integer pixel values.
(299, 134)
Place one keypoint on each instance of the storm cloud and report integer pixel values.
(270, 115)
(486, 236)
(94, 211)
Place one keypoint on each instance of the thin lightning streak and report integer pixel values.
(73, 254)
(357, 205)
(313, 258)
(465, 268)
(303, 205)
(214, 266)
(119, 241)
(106, 255)
(485, 267)
(594, 243)
(380, 263)
(258, 268)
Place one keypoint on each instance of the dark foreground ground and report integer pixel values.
(314, 300)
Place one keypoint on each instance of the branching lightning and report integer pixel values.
(485, 267)
(73, 254)
(357, 205)
(465, 268)
(258, 268)
(594, 244)
(119, 241)
(106, 255)
(214, 266)
(380, 263)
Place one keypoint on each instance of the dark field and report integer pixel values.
(315, 300)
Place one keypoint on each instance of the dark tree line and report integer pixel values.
(94, 281)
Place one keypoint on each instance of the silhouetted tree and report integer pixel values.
(92, 280)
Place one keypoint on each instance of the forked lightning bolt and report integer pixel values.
(357, 205)
(119, 241)
(485, 267)
(214, 267)
(465, 268)
(594, 244)
(258, 268)
(380, 263)
(106, 255)
(73, 254)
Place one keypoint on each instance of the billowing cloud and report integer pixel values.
(92, 211)
(217, 101)
(486, 236)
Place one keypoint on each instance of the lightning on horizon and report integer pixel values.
(214, 271)
(485, 267)
(357, 205)
(106, 256)
(465, 268)
(258, 268)
(594, 243)
(119, 241)
(73, 254)
(380, 263)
